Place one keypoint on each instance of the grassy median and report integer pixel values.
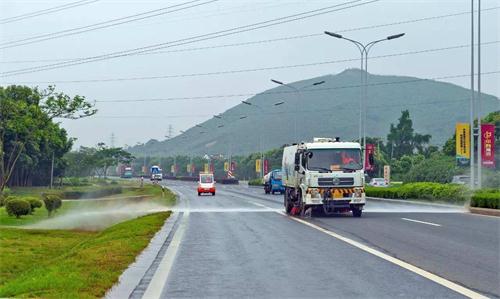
(71, 264)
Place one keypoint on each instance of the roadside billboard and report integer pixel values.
(257, 165)
(387, 173)
(370, 152)
(488, 145)
(266, 166)
(462, 145)
(226, 166)
(205, 167)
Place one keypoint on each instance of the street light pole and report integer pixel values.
(298, 95)
(472, 183)
(260, 135)
(364, 50)
(479, 132)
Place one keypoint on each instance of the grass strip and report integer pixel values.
(71, 264)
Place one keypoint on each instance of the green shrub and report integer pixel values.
(486, 198)
(52, 203)
(34, 202)
(101, 192)
(17, 207)
(113, 182)
(255, 182)
(422, 190)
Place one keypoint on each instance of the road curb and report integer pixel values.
(131, 278)
(484, 211)
(404, 201)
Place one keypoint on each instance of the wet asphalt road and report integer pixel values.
(236, 244)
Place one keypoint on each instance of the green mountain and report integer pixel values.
(329, 109)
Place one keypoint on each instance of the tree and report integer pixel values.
(28, 134)
(108, 156)
(402, 140)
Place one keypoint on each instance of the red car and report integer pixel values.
(206, 184)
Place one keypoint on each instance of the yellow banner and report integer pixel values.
(226, 166)
(188, 168)
(462, 131)
(257, 165)
(206, 167)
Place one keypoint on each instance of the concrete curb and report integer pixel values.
(404, 201)
(132, 276)
(484, 211)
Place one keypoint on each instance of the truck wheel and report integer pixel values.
(199, 194)
(356, 212)
(288, 205)
(213, 193)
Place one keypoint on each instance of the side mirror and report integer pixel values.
(297, 168)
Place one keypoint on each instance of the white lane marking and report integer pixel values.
(433, 277)
(418, 221)
(160, 277)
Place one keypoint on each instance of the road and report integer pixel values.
(240, 244)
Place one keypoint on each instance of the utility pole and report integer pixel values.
(112, 139)
(52, 171)
(479, 132)
(472, 184)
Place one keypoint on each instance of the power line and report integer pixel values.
(248, 70)
(45, 11)
(335, 108)
(194, 39)
(101, 25)
(269, 40)
(289, 91)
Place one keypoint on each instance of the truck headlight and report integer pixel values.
(358, 192)
(313, 191)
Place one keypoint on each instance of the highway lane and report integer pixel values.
(237, 244)
(459, 246)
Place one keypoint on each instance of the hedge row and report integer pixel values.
(255, 182)
(429, 191)
(486, 199)
(101, 192)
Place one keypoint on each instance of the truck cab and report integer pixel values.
(273, 182)
(156, 173)
(324, 175)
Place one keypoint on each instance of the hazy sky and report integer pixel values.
(133, 122)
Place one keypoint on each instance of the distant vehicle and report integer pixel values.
(273, 182)
(156, 174)
(378, 182)
(460, 179)
(127, 173)
(206, 183)
(325, 175)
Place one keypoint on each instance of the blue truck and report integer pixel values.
(273, 183)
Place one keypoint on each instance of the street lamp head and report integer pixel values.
(319, 83)
(277, 82)
(279, 103)
(202, 132)
(218, 116)
(199, 126)
(333, 34)
(243, 117)
(220, 126)
(246, 103)
(395, 36)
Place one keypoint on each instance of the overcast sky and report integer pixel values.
(133, 122)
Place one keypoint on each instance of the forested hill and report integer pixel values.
(329, 109)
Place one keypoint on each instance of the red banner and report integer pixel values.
(370, 151)
(266, 166)
(488, 145)
(212, 167)
(233, 166)
(193, 168)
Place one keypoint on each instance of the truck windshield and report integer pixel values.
(326, 160)
(277, 175)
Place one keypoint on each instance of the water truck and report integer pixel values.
(325, 176)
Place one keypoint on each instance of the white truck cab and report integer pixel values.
(325, 175)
